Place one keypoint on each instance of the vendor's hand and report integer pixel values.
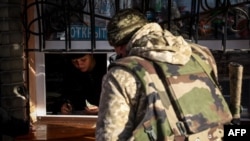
(66, 108)
(93, 110)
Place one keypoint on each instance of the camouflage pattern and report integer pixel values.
(159, 45)
(120, 95)
(187, 84)
(122, 26)
(132, 94)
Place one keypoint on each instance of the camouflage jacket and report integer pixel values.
(123, 101)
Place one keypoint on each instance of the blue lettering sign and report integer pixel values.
(79, 32)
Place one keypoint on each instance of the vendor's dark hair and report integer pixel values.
(75, 56)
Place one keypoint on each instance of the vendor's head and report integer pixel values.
(122, 27)
(83, 62)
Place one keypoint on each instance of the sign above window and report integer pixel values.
(81, 32)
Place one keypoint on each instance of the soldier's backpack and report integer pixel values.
(184, 102)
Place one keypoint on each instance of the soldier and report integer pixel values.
(127, 98)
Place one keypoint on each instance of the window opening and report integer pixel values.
(73, 26)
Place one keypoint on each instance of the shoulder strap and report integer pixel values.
(174, 122)
(136, 63)
(210, 67)
(206, 68)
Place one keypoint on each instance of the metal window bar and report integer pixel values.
(41, 21)
(65, 6)
(220, 8)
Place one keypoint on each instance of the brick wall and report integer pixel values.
(12, 72)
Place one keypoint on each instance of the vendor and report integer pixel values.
(82, 83)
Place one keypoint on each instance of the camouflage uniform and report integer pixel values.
(123, 101)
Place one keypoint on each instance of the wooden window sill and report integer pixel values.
(63, 128)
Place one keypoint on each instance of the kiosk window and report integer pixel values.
(75, 80)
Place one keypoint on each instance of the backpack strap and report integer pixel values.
(210, 68)
(206, 68)
(149, 130)
(177, 126)
(136, 65)
(175, 123)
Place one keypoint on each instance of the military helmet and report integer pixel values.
(123, 25)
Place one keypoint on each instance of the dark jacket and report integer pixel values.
(79, 86)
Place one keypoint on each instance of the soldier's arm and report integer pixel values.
(116, 111)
